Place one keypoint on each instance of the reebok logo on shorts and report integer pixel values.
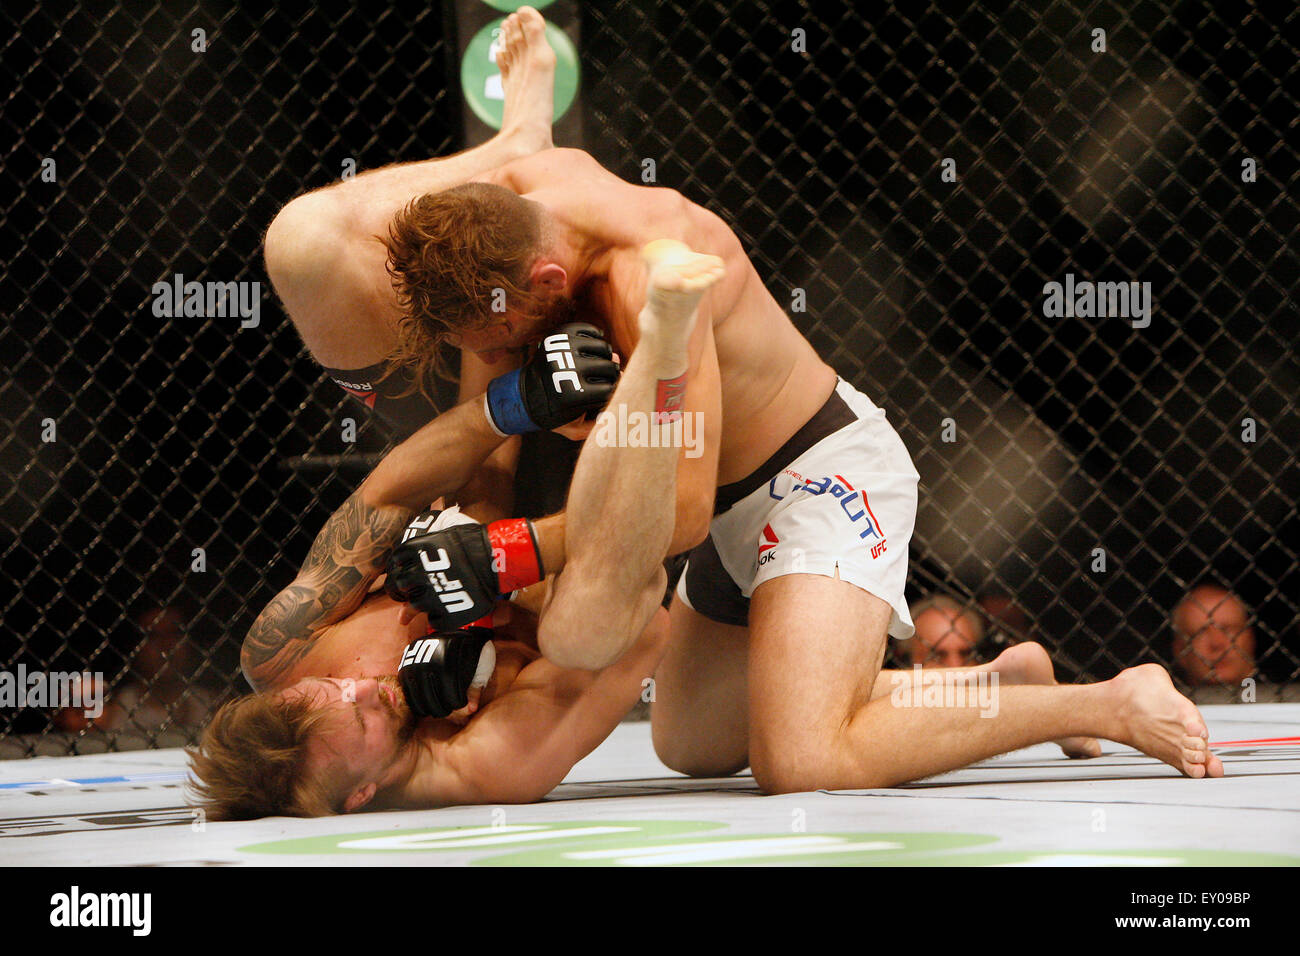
(767, 545)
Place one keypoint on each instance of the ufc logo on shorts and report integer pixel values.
(559, 354)
(449, 590)
(419, 652)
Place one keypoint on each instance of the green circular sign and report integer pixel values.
(480, 80)
(510, 6)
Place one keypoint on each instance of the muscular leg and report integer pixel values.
(622, 503)
(704, 673)
(1027, 663)
(527, 65)
(699, 716)
(813, 723)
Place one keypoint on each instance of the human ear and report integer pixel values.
(550, 276)
(359, 798)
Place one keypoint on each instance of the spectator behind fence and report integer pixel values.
(160, 690)
(947, 633)
(1214, 643)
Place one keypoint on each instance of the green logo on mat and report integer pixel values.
(785, 849)
(628, 842)
(481, 80)
(504, 837)
(695, 843)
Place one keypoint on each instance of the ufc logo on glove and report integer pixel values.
(418, 652)
(559, 353)
(419, 526)
(450, 590)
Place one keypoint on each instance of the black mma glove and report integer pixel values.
(438, 671)
(572, 374)
(455, 574)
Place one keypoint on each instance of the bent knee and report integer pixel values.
(576, 644)
(799, 766)
(785, 774)
(303, 242)
(696, 758)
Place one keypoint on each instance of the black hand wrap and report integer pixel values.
(572, 374)
(436, 671)
(447, 574)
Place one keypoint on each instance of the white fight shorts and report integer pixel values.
(839, 495)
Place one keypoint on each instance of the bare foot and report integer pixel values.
(678, 279)
(527, 65)
(1029, 663)
(1162, 723)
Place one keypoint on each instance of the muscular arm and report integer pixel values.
(346, 557)
(489, 494)
(524, 743)
(351, 550)
(627, 216)
(328, 267)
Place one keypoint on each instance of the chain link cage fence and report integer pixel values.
(908, 179)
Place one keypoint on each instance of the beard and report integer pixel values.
(405, 719)
(559, 311)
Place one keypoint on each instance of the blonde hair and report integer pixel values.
(252, 761)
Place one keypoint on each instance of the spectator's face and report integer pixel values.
(368, 725)
(943, 638)
(1214, 643)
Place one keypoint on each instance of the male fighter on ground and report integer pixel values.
(335, 725)
(781, 618)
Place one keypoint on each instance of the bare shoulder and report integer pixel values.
(547, 168)
(662, 213)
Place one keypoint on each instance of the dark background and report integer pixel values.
(175, 434)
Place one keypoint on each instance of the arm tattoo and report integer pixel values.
(346, 557)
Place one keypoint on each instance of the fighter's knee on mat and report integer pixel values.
(789, 765)
(684, 752)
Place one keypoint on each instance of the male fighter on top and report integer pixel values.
(781, 618)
